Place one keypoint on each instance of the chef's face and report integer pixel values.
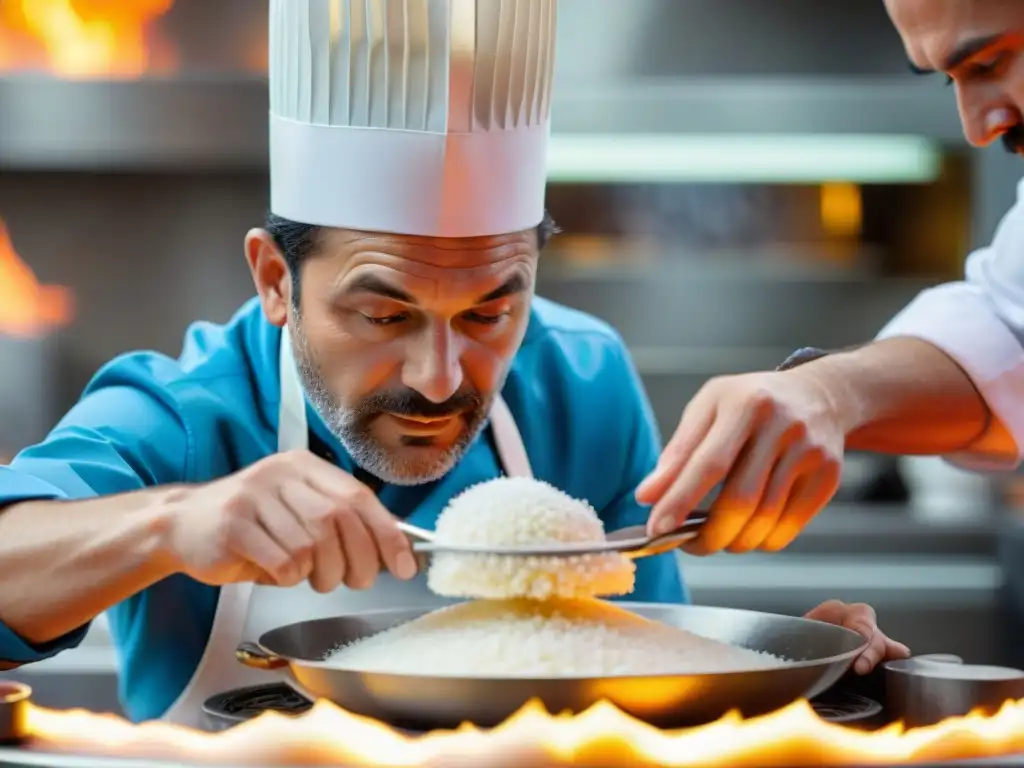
(977, 44)
(402, 342)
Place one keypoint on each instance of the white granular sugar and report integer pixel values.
(513, 511)
(544, 639)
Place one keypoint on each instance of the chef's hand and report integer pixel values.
(289, 517)
(861, 618)
(775, 439)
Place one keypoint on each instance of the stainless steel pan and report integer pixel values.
(821, 654)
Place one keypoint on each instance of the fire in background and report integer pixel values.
(28, 309)
(83, 39)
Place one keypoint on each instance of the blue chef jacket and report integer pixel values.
(148, 419)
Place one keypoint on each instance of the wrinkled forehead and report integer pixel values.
(935, 32)
(414, 269)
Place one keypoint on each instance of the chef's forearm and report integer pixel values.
(903, 395)
(64, 563)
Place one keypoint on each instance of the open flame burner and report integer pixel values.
(237, 706)
(233, 707)
(272, 725)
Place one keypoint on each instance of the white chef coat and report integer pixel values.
(979, 322)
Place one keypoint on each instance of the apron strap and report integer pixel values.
(509, 441)
(292, 426)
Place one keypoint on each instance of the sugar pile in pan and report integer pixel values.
(514, 511)
(544, 639)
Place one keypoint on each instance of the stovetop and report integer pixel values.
(232, 707)
(854, 701)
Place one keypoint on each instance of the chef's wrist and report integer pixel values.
(828, 371)
(167, 503)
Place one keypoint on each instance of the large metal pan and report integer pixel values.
(821, 654)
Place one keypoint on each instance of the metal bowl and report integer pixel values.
(821, 654)
(924, 690)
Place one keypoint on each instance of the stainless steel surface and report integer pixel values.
(782, 105)
(160, 125)
(821, 653)
(925, 690)
(889, 531)
(632, 541)
(29, 394)
(673, 39)
(13, 702)
(165, 124)
(647, 66)
(698, 308)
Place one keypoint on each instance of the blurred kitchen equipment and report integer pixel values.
(14, 698)
(29, 391)
(870, 479)
(941, 492)
(632, 541)
(927, 689)
(821, 654)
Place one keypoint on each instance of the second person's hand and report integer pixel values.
(775, 439)
(287, 518)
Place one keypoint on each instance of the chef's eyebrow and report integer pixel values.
(515, 284)
(375, 285)
(960, 54)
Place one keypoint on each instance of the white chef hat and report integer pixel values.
(418, 117)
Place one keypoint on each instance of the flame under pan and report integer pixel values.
(821, 654)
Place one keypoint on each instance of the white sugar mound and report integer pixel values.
(515, 511)
(550, 639)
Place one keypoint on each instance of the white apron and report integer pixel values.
(246, 611)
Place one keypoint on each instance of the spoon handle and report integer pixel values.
(666, 542)
(415, 533)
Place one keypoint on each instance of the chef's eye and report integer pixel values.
(983, 69)
(386, 319)
(484, 318)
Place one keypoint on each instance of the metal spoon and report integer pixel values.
(632, 541)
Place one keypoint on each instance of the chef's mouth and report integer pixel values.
(424, 424)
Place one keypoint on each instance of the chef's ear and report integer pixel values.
(270, 275)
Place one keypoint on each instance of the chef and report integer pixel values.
(945, 377)
(394, 356)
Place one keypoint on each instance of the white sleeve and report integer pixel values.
(979, 322)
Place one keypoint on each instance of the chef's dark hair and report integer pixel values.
(297, 240)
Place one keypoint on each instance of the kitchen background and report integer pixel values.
(735, 178)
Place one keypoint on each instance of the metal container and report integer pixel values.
(14, 699)
(821, 654)
(925, 690)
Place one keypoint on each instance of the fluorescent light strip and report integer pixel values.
(780, 159)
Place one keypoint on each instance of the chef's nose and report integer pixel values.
(433, 367)
(983, 124)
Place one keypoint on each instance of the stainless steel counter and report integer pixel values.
(875, 530)
(160, 123)
(939, 589)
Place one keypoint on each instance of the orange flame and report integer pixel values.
(81, 38)
(601, 736)
(27, 308)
